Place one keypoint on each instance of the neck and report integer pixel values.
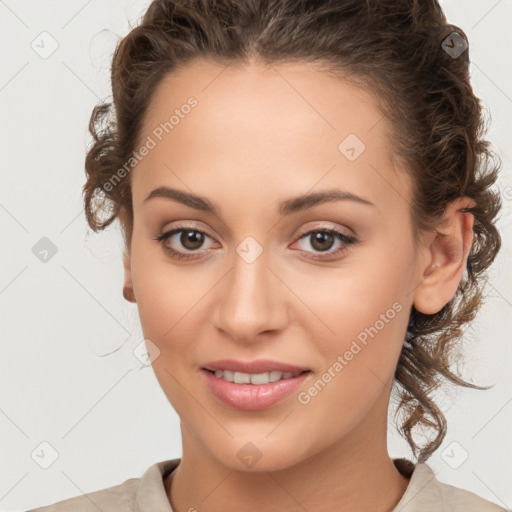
(355, 474)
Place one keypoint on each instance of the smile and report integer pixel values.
(254, 378)
(253, 391)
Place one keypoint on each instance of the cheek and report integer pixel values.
(356, 297)
(359, 361)
(167, 300)
(364, 312)
(165, 294)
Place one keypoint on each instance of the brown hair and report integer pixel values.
(400, 49)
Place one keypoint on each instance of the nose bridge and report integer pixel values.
(249, 301)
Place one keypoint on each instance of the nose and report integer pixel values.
(251, 301)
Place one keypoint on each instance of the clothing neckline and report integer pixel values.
(151, 496)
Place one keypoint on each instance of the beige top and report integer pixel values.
(147, 494)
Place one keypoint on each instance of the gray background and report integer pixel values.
(69, 377)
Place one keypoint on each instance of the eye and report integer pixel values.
(322, 240)
(189, 238)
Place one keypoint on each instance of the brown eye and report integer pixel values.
(184, 242)
(322, 240)
(191, 239)
(325, 243)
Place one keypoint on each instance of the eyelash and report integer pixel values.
(346, 239)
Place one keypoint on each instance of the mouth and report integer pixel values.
(256, 379)
(253, 391)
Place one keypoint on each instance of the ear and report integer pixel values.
(128, 293)
(446, 258)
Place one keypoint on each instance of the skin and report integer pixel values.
(259, 135)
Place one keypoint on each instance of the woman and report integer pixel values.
(305, 197)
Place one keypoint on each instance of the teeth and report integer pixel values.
(254, 378)
(242, 378)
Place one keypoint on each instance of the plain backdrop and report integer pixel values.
(77, 411)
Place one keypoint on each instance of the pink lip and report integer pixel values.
(258, 366)
(252, 397)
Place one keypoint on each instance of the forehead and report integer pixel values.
(296, 96)
(264, 124)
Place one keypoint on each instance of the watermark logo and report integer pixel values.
(249, 249)
(454, 45)
(351, 147)
(249, 454)
(44, 250)
(146, 352)
(44, 455)
(44, 44)
(454, 455)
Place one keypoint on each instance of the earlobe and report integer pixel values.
(128, 292)
(447, 259)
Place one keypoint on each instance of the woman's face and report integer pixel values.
(252, 142)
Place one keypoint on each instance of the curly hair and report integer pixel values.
(398, 49)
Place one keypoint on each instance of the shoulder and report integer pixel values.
(119, 497)
(128, 496)
(426, 492)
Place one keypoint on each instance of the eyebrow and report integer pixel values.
(286, 207)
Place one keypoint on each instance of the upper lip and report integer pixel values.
(257, 366)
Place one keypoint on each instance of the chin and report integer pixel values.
(258, 455)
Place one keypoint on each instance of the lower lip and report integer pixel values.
(253, 397)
